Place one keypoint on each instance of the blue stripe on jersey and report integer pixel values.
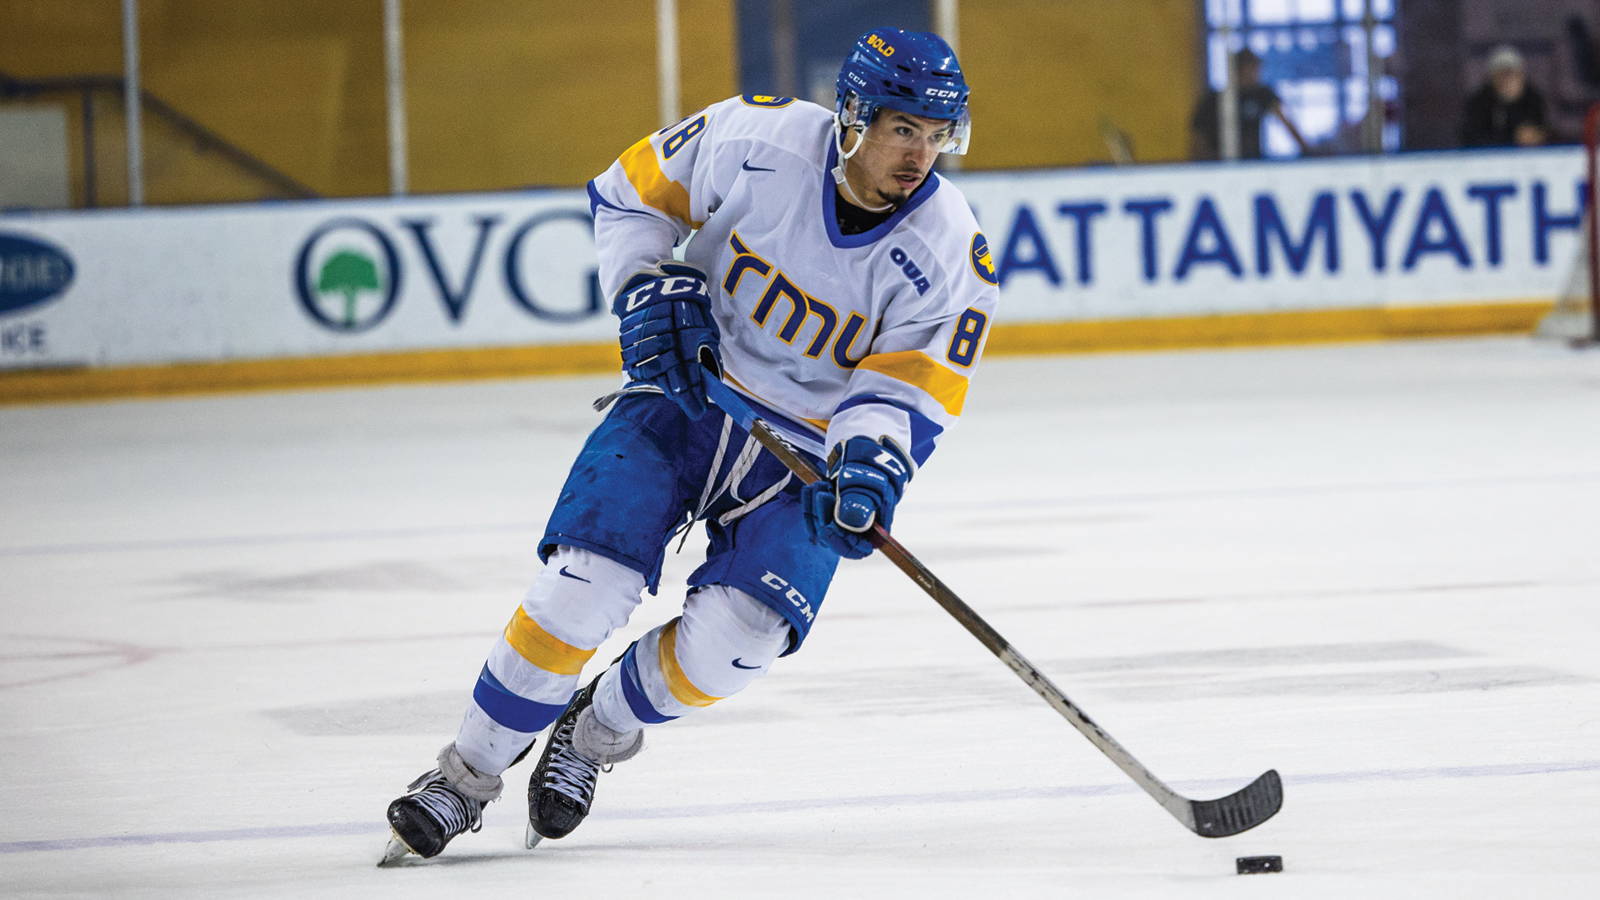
(923, 429)
(596, 201)
(515, 713)
(830, 215)
(633, 692)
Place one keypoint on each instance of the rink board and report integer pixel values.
(96, 303)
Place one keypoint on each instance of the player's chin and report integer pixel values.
(898, 191)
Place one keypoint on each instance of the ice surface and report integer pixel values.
(233, 628)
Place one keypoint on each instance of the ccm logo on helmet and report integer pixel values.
(938, 92)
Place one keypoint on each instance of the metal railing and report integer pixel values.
(205, 140)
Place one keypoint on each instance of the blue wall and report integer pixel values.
(824, 31)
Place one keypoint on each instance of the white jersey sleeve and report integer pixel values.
(653, 197)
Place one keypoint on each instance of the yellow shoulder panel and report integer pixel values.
(643, 168)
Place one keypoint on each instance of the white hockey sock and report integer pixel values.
(575, 603)
(724, 640)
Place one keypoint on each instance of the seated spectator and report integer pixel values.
(1256, 102)
(1506, 111)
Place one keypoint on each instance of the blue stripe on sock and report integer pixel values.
(633, 692)
(515, 713)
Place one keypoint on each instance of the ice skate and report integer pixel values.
(439, 805)
(561, 790)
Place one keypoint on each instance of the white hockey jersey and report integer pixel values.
(872, 334)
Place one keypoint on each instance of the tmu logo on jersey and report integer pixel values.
(802, 307)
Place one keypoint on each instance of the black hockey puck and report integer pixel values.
(1255, 865)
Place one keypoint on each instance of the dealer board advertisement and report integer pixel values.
(285, 280)
(135, 287)
(1414, 230)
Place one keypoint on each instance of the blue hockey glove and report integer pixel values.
(668, 332)
(865, 480)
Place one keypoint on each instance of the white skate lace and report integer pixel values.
(568, 772)
(448, 807)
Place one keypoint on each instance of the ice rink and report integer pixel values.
(233, 628)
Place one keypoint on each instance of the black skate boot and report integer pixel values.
(433, 810)
(562, 787)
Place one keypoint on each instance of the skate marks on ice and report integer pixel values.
(1344, 669)
(1191, 675)
(1420, 681)
(1302, 654)
(156, 545)
(33, 659)
(1366, 668)
(793, 806)
(432, 713)
(500, 574)
(1103, 508)
(218, 836)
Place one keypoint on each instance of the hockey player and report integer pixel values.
(837, 283)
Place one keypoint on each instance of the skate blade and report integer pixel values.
(394, 851)
(531, 838)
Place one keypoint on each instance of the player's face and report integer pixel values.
(896, 154)
(1509, 83)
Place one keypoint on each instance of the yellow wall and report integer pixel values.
(499, 94)
(48, 38)
(1043, 73)
(512, 94)
(508, 93)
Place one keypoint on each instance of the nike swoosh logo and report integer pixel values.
(567, 574)
(749, 168)
(739, 665)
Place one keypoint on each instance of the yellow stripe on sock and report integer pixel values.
(543, 649)
(677, 682)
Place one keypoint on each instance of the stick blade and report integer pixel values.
(1243, 810)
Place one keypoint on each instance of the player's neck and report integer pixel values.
(850, 196)
(854, 219)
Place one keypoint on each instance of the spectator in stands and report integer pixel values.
(1256, 102)
(1506, 111)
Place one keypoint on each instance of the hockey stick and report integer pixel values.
(1229, 815)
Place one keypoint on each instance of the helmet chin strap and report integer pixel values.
(838, 170)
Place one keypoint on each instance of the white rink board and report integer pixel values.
(225, 283)
(1415, 230)
(488, 270)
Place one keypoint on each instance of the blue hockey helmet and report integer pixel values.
(911, 71)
